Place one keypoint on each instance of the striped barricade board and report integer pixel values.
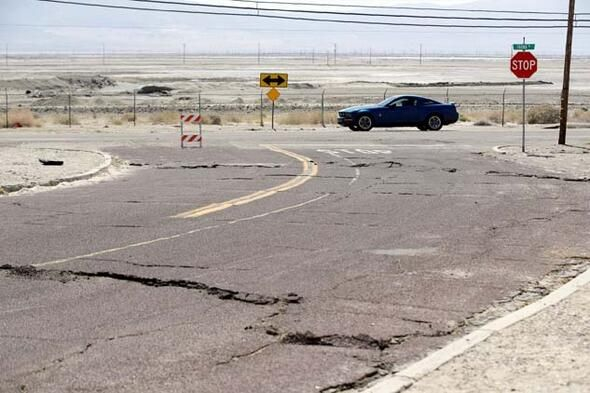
(191, 138)
(191, 118)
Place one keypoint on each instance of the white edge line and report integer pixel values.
(411, 374)
(284, 209)
(175, 236)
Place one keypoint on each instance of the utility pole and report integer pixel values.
(370, 56)
(6, 103)
(420, 54)
(565, 92)
(334, 54)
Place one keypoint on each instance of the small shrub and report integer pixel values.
(581, 115)
(127, 117)
(301, 118)
(482, 123)
(496, 117)
(463, 117)
(64, 119)
(234, 118)
(212, 119)
(22, 118)
(117, 121)
(168, 117)
(543, 114)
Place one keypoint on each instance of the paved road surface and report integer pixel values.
(320, 285)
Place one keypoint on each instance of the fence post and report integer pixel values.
(200, 124)
(6, 97)
(503, 106)
(134, 107)
(261, 108)
(447, 95)
(70, 110)
(323, 109)
(385, 94)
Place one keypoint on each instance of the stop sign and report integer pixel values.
(523, 65)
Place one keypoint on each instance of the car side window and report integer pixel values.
(399, 103)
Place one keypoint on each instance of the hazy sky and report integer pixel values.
(33, 26)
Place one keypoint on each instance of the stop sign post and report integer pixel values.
(523, 65)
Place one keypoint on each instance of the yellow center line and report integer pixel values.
(310, 169)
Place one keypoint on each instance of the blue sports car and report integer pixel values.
(399, 111)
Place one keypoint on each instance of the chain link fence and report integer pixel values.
(294, 107)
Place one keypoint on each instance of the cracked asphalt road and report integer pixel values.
(379, 259)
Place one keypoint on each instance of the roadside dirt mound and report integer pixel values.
(448, 84)
(151, 89)
(87, 81)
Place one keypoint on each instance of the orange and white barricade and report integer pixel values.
(191, 138)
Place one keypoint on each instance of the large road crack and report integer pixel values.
(150, 265)
(221, 293)
(248, 354)
(534, 176)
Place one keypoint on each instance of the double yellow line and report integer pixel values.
(310, 169)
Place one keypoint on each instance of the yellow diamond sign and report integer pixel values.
(273, 94)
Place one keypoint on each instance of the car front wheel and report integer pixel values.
(434, 122)
(364, 123)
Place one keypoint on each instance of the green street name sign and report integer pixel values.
(523, 46)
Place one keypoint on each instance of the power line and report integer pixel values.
(306, 19)
(340, 13)
(389, 7)
(216, 28)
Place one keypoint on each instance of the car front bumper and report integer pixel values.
(345, 121)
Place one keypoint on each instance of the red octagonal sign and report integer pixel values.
(523, 65)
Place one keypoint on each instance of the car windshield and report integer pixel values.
(388, 101)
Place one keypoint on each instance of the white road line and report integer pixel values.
(284, 209)
(356, 171)
(413, 373)
(176, 236)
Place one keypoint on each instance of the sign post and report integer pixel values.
(274, 81)
(523, 65)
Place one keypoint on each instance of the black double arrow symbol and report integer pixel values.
(279, 80)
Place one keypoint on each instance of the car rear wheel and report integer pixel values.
(434, 122)
(364, 123)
